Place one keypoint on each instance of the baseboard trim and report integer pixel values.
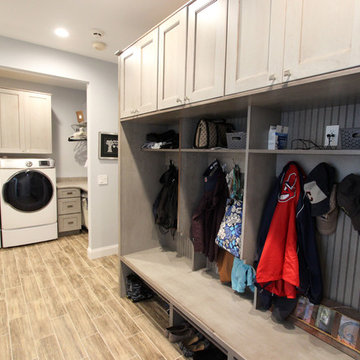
(103, 251)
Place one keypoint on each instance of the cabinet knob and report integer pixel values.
(272, 77)
(178, 100)
(287, 73)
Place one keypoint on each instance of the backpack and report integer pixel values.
(165, 205)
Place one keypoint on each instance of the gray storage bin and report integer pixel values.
(236, 140)
(350, 138)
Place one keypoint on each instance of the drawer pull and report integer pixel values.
(69, 193)
(70, 222)
(70, 206)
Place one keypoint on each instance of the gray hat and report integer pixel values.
(348, 198)
(326, 224)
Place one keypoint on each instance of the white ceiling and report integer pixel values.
(122, 21)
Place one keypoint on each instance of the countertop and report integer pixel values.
(72, 182)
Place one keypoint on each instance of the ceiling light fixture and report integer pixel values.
(61, 32)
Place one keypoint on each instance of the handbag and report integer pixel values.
(205, 135)
(229, 236)
(210, 134)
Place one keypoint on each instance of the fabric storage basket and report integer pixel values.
(350, 138)
(236, 140)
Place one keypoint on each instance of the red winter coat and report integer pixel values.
(279, 266)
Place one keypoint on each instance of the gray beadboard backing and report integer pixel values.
(310, 123)
(339, 252)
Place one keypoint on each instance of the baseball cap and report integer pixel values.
(318, 187)
(326, 223)
(348, 198)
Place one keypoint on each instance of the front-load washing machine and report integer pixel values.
(28, 201)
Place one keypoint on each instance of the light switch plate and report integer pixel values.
(102, 179)
(331, 135)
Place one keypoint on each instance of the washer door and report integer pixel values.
(28, 191)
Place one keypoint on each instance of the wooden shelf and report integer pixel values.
(71, 139)
(305, 152)
(229, 319)
(220, 150)
(160, 150)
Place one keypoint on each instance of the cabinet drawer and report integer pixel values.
(69, 222)
(66, 193)
(68, 206)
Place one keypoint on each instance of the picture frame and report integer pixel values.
(108, 146)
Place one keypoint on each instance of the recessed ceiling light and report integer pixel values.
(61, 32)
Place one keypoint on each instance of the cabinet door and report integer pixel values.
(206, 49)
(148, 67)
(129, 81)
(12, 138)
(172, 60)
(138, 76)
(255, 44)
(38, 131)
(321, 36)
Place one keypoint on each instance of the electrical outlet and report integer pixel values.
(331, 135)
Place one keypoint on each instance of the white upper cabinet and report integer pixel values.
(37, 119)
(138, 76)
(12, 137)
(25, 122)
(255, 44)
(129, 81)
(205, 72)
(148, 56)
(321, 36)
(172, 60)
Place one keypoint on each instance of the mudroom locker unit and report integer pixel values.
(323, 93)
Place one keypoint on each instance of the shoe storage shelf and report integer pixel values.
(168, 264)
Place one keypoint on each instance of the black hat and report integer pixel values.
(348, 197)
(318, 187)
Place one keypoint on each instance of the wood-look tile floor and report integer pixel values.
(55, 303)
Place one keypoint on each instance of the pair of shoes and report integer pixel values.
(175, 328)
(194, 348)
(192, 340)
(181, 335)
(136, 290)
(199, 345)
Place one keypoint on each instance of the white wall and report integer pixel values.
(69, 157)
(102, 113)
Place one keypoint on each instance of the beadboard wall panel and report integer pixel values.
(339, 252)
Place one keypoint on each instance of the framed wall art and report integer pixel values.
(108, 145)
